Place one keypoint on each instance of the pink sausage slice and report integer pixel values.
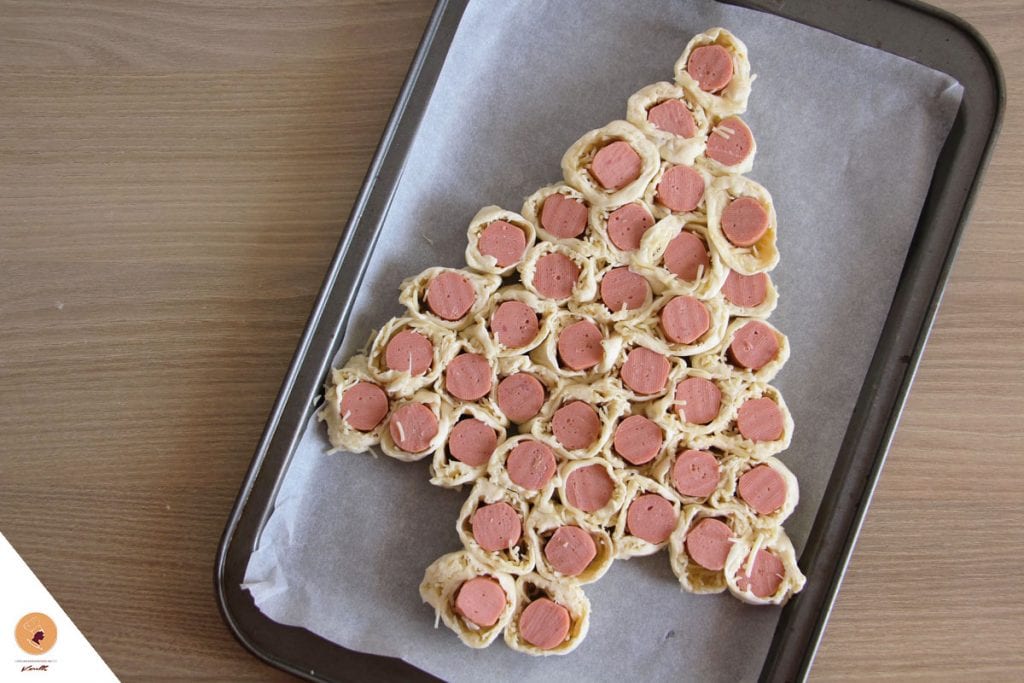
(684, 319)
(363, 406)
(520, 397)
(711, 67)
(695, 473)
(651, 518)
(514, 324)
(496, 527)
(672, 116)
(760, 419)
(686, 255)
(645, 371)
(763, 489)
(708, 543)
(589, 488)
(481, 601)
(624, 290)
(730, 142)
(504, 241)
(753, 346)
(562, 216)
(616, 165)
(680, 189)
(579, 345)
(413, 427)
(570, 550)
(744, 221)
(627, 225)
(531, 465)
(472, 442)
(544, 624)
(450, 296)
(555, 276)
(410, 352)
(768, 572)
(698, 400)
(468, 376)
(638, 439)
(745, 291)
(576, 425)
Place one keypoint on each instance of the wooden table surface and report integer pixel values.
(173, 179)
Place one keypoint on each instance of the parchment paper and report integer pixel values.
(847, 141)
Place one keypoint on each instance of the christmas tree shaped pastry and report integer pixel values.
(597, 377)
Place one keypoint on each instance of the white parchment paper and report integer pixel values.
(847, 141)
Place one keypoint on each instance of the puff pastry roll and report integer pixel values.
(742, 224)
(470, 376)
(621, 227)
(523, 388)
(700, 546)
(763, 570)
(730, 148)
(699, 403)
(448, 297)
(766, 488)
(498, 240)
(752, 350)
(568, 549)
(591, 488)
(562, 216)
(578, 347)
(611, 165)
(514, 322)
(354, 408)
(526, 466)
(696, 475)
(475, 435)
(638, 443)
(678, 256)
(472, 600)
(715, 69)
(416, 427)
(759, 427)
(672, 119)
(623, 294)
(678, 325)
(551, 617)
(648, 517)
(645, 374)
(579, 419)
(408, 354)
(749, 296)
(678, 189)
(559, 274)
(490, 527)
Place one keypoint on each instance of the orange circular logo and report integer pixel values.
(36, 633)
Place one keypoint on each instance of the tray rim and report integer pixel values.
(446, 15)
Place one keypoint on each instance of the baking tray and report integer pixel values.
(904, 27)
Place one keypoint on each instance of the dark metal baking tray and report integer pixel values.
(904, 27)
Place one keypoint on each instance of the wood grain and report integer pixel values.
(173, 177)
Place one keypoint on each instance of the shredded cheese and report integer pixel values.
(724, 131)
